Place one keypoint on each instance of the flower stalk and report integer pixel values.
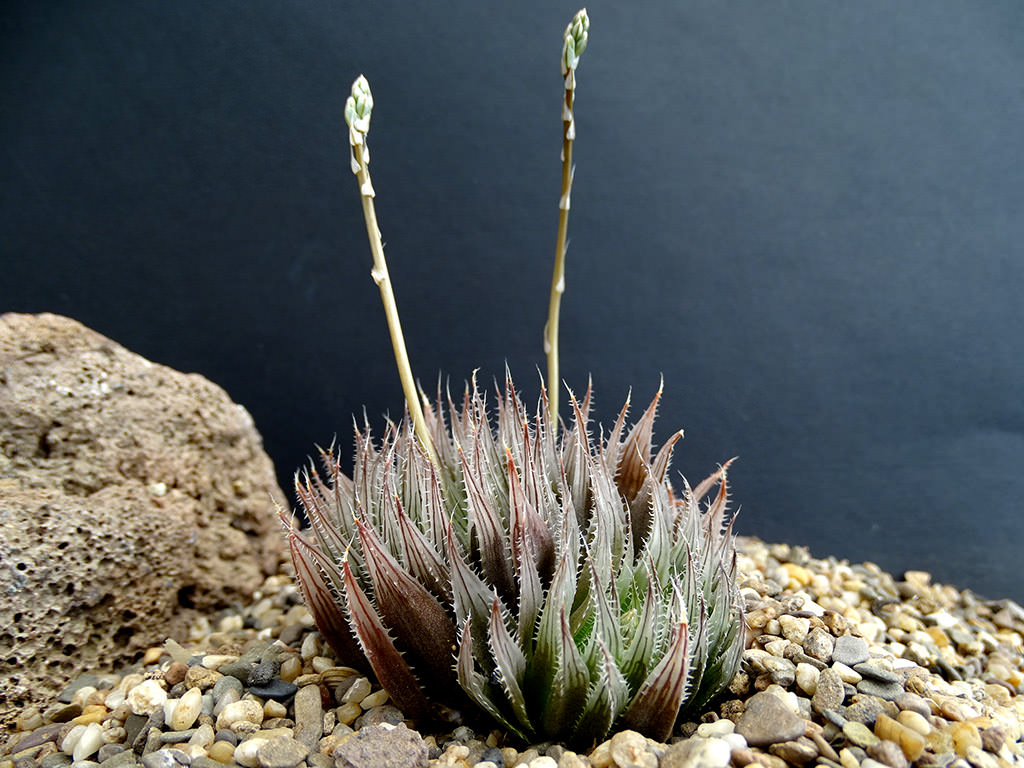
(574, 41)
(358, 108)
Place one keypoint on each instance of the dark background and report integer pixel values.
(806, 216)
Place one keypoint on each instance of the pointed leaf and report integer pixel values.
(607, 698)
(635, 456)
(494, 546)
(418, 620)
(391, 669)
(511, 665)
(655, 708)
(472, 601)
(477, 686)
(320, 598)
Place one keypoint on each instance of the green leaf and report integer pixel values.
(656, 705)
(477, 686)
(511, 665)
(490, 531)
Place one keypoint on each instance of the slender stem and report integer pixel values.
(574, 41)
(358, 113)
(558, 275)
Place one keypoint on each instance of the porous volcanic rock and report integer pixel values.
(132, 496)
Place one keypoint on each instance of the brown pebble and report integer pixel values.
(202, 678)
(797, 752)
(152, 656)
(175, 673)
(829, 693)
(910, 742)
(222, 752)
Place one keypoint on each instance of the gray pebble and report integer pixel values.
(876, 673)
(238, 670)
(830, 692)
(75, 685)
(396, 747)
(850, 650)
(282, 752)
(803, 658)
(165, 758)
(76, 764)
(914, 703)
(309, 715)
(205, 762)
(275, 689)
(108, 751)
(176, 737)
(123, 759)
(385, 713)
(56, 760)
(152, 741)
(133, 724)
(865, 710)
(263, 673)
(767, 720)
(888, 753)
(834, 717)
(494, 755)
(226, 734)
(887, 691)
(228, 682)
(318, 760)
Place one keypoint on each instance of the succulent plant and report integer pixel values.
(556, 579)
(514, 562)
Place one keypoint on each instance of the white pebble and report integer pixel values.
(703, 753)
(114, 699)
(807, 677)
(147, 697)
(169, 705)
(310, 647)
(357, 692)
(543, 761)
(375, 699)
(794, 628)
(187, 710)
(717, 728)
(847, 674)
(240, 712)
(82, 695)
(735, 741)
(245, 752)
(320, 663)
(231, 695)
(89, 742)
(203, 737)
(67, 745)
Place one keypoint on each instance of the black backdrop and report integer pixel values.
(806, 216)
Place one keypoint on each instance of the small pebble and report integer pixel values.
(147, 697)
(859, 734)
(850, 650)
(240, 712)
(186, 710)
(767, 720)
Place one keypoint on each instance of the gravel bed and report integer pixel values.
(846, 666)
